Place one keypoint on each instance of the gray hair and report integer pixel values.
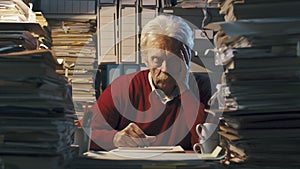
(171, 26)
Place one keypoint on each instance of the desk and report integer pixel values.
(85, 162)
(88, 163)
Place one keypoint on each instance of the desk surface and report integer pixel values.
(88, 163)
(188, 160)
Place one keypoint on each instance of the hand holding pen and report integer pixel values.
(132, 136)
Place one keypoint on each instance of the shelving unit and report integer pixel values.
(119, 41)
(74, 27)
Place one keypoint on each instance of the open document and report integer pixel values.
(149, 149)
(157, 153)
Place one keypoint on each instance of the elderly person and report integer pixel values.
(157, 106)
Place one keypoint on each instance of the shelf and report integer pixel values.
(70, 16)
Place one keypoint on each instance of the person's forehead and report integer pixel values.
(160, 52)
(163, 43)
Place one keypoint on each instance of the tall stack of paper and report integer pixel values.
(36, 108)
(259, 97)
(74, 42)
(36, 111)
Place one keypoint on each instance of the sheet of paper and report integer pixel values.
(149, 149)
(150, 155)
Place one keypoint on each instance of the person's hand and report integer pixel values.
(183, 77)
(132, 136)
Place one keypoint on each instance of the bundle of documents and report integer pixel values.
(16, 11)
(254, 9)
(22, 29)
(46, 39)
(194, 11)
(74, 42)
(259, 97)
(14, 41)
(29, 80)
(36, 110)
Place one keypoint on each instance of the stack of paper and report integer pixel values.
(13, 41)
(28, 79)
(46, 39)
(253, 9)
(16, 11)
(36, 110)
(18, 32)
(195, 11)
(259, 96)
(74, 41)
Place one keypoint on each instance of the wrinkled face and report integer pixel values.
(164, 59)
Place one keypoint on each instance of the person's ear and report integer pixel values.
(187, 53)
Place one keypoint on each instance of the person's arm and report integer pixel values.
(192, 107)
(193, 113)
(107, 132)
(104, 122)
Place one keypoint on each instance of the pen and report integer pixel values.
(143, 139)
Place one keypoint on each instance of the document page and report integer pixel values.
(173, 153)
(150, 149)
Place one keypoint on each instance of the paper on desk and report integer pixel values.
(152, 155)
(149, 149)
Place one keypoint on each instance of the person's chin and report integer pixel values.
(172, 91)
(167, 89)
(175, 92)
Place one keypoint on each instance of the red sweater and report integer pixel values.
(129, 98)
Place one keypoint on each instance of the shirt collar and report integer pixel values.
(164, 98)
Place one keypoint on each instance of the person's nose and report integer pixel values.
(164, 66)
